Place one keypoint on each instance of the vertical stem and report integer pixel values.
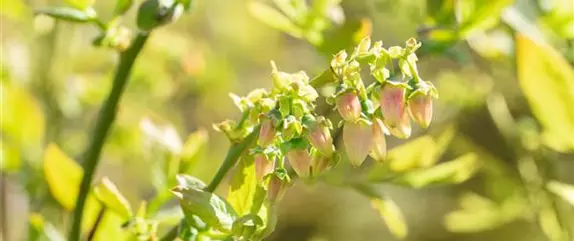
(104, 122)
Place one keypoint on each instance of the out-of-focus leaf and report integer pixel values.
(492, 44)
(187, 4)
(550, 225)
(392, 216)
(480, 214)
(455, 171)
(412, 154)
(165, 135)
(546, 81)
(273, 18)
(212, 209)
(110, 227)
(440, 12)
(122, 6)
(290, 8)
(189, 181)
(69, 14)
(562, 190)
(107, 193)
(13, 9)
(80, 4)
(63, 176)
(195, 142)
(478, 15)
(349, 34)
(44, 228)
(243, 186)
(22, 119)
(10, 157)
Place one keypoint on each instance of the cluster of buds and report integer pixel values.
(382, 108)
(290, 133)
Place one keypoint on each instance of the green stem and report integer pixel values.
(104, 122)
(233, 155)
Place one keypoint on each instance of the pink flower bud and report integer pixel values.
(403, 129)
(263, 166)
(266, 133)
(392, 100)
(349, 106)
(357, 138)
(300, 161)
(379, 150)
(276, 188)
(320, 137)
(420, 109)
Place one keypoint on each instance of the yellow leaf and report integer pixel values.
(22, 118)
(107, 193)
(392, 216)
(243, 186)
(63, 176)
(547, 81)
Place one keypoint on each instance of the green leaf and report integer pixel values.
(562, 190)
(413, 154)
(391, 214)
(455, 171)
(107, 193)
(545, 78)
(69, 14)
(22, 121)
(187, 4)
(189, 181)
(273, 18)
(212, 209)
(122, 6)
(479, 15)
(80, 4)
(10, 157)
(195, 142)
(63, 176)
(243, 187)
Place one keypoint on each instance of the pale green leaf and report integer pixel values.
(273, 18)
(189, 181)
(479, 15)
(210, 208)
(243, 187)
(63, 176)
(107, 193)
(109, 227)
(546, 79)
(455, 171)
(69, 14)
(563, 190)
(412, 154)
(392, 216)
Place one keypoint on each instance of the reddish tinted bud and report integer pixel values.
(349, 106)
(300, 161)
(320, 137)
(403, 129)
(420, 109)
(392, 100)
(266, 133)
(263, 166)
(357, 138)
(379, 149)
(276, 188)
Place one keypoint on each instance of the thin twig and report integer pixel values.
(94, 229)
(105, 120)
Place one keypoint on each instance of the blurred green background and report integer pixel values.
(503, 70)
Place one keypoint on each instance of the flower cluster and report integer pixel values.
(288, 129)
(383, 107)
